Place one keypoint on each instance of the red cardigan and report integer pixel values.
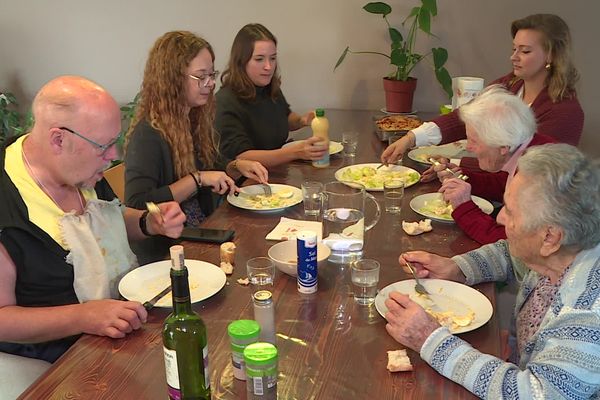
(475, 223)
(562, 120)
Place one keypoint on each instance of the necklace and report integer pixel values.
(43, 187)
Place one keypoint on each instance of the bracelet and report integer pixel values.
(198, 181)
(234, 164)
(142, 222)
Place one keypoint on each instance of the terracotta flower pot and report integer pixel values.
(399, 94)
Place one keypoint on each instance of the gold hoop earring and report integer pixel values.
(548, 66)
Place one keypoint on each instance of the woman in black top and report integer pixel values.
(253, 117)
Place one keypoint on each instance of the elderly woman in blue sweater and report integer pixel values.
(552, 220)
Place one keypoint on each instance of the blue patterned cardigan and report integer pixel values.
(562, 359)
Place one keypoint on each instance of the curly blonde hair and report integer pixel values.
(162, 102)
(557, 42)
(235, 75)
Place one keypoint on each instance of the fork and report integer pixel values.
(454, 174)
(267, 189)
(418, 287)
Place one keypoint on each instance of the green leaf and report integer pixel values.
(395, 35)
(425, 21)
(440, 56)
(431, 6)
(378, 7)
(413, 12)
(445, 80)
(398, 57)
(341, 59)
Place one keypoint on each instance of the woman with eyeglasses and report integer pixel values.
(171, 146)
(543, 75)
(253, 116)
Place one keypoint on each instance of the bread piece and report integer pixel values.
(227, 252)
(243, 281)
(416, 228)
(227, 268)
(398, 361)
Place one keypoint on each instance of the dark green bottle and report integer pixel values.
(184, 340)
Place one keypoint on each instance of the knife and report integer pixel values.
(243, 195)
(150, 303)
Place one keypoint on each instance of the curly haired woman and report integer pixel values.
(171, 145)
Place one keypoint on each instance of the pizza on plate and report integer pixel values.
(398, 123)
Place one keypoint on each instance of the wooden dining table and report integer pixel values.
(329, 347)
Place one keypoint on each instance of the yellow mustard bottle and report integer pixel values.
(320, 128)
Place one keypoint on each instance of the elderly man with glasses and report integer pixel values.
(63, 234)
(552, 220)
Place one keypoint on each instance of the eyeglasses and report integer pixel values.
(102, 148)
(205, 78)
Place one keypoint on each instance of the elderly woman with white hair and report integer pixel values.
(552, 220)
(499, 126)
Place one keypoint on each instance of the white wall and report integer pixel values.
(108, 41)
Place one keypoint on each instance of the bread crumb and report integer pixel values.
(243, 281)
(398, 361)
(227, 252)
(416, 228)
(227, 268)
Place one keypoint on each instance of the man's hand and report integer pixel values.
(428, 265)
(456, 191)
(307, 118)
(112, 318)
(313, 148)
(408, 323)
(169, 222)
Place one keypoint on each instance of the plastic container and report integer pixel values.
(320, 128)
(261, 371)
(264, 314)
(241, 333)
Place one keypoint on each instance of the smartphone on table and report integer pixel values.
(206, 235)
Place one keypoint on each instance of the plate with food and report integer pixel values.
(394, 124)
(254, 198)
(433, 205)
(145, 282)
(334, 147)
(372, 178)
(456, 149)
(459, 307)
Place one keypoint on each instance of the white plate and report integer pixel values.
(447, 296)
(241, 202)
(456, 149)
(339, 172)
(419, 201)
(334, 147)
(143, 283)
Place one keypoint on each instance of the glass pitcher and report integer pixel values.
(344, 220)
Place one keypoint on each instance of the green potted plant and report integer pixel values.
(399, 86)
(12, 123)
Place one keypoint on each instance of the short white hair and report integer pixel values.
(565, 191)
(499, 118)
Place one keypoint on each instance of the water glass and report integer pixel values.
(393, 137)
(393, 192)
(365, 277)
(350, 143)
(312, 194)
(261, 273)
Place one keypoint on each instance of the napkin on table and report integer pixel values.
(287, 229)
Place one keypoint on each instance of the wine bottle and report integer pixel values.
(184, 340)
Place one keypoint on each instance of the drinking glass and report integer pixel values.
(261, 273)
(393, 192)
(365, 277)
(350, 143)
(312, 193)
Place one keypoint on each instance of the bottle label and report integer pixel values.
(174, 389)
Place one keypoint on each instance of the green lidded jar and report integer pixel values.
(241, 333)
(261, 370)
